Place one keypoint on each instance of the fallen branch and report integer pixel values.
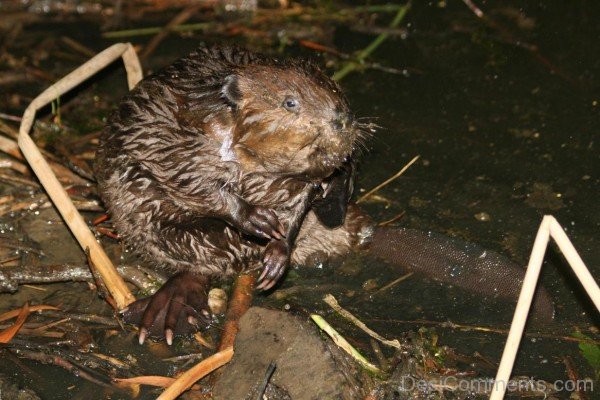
(200, 370)
(12, 277)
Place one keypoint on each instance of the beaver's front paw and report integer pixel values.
(276, 259)
(258, 221)
(179, 307)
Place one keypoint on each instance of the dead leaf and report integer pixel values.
(14, 313)
(7, 334)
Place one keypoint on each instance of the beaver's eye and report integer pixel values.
(291, 104)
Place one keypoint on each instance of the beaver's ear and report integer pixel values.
(230, 91)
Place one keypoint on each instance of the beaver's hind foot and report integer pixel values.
(179, 307)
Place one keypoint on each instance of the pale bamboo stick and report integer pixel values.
(115, 284)
(548, 228)
(575, 261)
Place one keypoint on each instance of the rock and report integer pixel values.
(9, 390)
(309, 365)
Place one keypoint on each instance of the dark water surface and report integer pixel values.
(505, 135)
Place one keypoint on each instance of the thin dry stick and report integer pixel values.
(473, 328)
(393, 283)
(56, 192)
(549, 227)
(329, 299)
(200, 370)
(574, 376)
(476, 10)
(387, 181)
(179, 19)
(10, 147)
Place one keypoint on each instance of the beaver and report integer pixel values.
(230, 161)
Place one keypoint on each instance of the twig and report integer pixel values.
(329, 299)
(19, 180)
(12, 277)
(9, 117)
(20, 247)
(393, 283)
(363, 54)
(156, 29)
(574, 377)
(70, 366)
(15, 165)
(510, 38)
(266, 379)
(484, 329)
(185, 357)
(387, 181)
(45, 327)
(89, 318)
(392, 220)
(476, 10)
(78, 47)
(10, 147)
(100, 286)
(200, 370)
(379, 354)
(180, 18)
(319, 47)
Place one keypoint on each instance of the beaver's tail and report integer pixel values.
(457, 263)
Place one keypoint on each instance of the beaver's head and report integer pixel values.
(290, 119)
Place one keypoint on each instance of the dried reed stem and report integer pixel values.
(55, 190)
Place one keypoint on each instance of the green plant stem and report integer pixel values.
(343, 343)
(155, 29)
(364, 53)
(378, 8)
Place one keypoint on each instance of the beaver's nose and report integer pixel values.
(341, 121)
(338, 124)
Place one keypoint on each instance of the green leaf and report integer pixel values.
(590, 351)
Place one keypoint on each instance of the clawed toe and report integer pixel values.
(178, 308)
(276, 259)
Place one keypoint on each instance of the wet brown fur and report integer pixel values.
(189, 140)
